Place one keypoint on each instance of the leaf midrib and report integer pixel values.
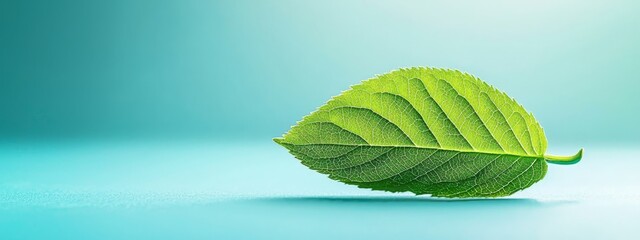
(281, 141)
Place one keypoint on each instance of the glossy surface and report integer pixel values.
(212, 190)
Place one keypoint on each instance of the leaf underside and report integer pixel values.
(426, 131)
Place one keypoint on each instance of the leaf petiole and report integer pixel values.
(564, 160)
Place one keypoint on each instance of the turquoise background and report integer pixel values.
(251, 69)
(153, 119)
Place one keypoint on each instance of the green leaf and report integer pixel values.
(427, 131)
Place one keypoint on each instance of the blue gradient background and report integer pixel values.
(119, 113)
(250, 69)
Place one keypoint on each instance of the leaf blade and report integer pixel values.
(426, 131)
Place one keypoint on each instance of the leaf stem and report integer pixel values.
(564, 160)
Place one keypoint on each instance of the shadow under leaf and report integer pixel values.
(408, 200)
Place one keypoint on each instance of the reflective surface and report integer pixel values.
(212, 190)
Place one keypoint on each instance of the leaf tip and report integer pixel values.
(279, 140)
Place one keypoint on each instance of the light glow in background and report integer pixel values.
(251, 69)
